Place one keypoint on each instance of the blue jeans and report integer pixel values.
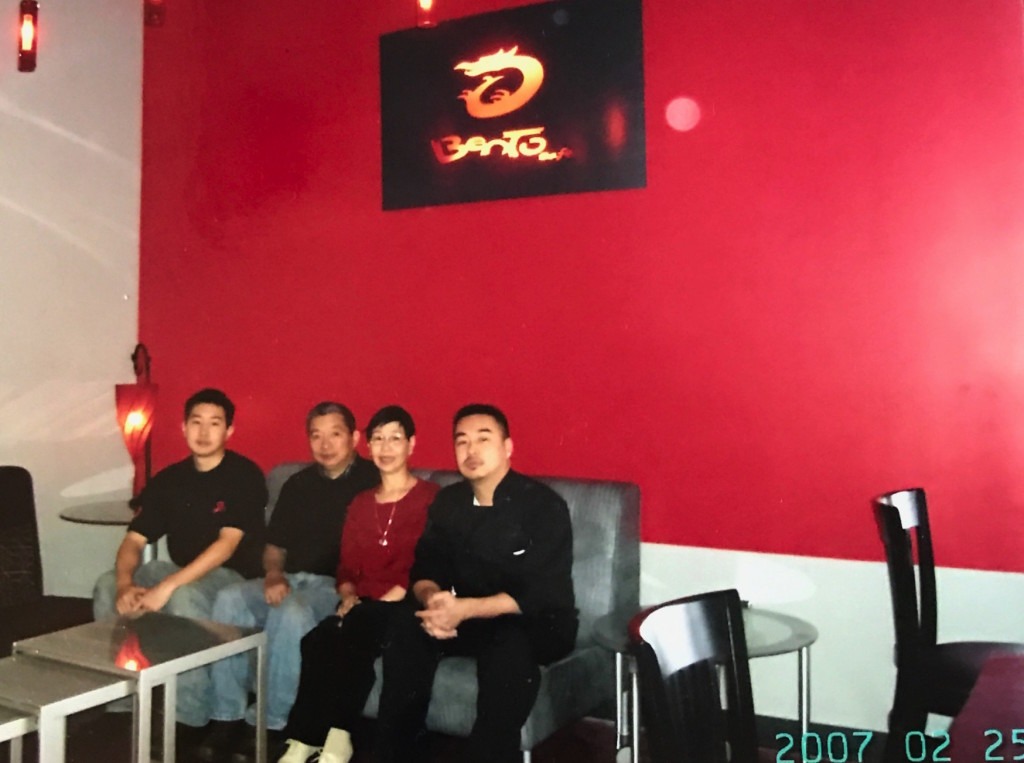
(192, 600)
(312, 598)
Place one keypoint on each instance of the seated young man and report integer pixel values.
(210, 506)
(492, 579)
(298, 589)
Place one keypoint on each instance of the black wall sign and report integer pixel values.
(536, 100)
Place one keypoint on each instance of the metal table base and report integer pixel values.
(51, 691)
(768, 634)
(151, 650)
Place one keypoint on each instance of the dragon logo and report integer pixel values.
(508, 80)
(485, 102)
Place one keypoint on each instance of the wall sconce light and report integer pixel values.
(425, 14)
(28, 35)
(153, 12)
(136, 405)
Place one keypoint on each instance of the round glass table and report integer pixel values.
(99, 513)
(768, 634)
(106, 513)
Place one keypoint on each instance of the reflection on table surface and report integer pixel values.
(768, 633)
(10, 715)
(112, 512)
(131, 642)
(26, 682)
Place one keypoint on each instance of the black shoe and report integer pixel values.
(245, 752)
(222, 739)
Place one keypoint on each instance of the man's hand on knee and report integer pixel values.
(275, 589)
(156, 597)
(128, 598)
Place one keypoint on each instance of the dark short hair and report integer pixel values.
(211, 396)
(390, 413)
(481, 409)
(328, 407)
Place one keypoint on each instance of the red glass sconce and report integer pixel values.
(136, 406)
(425, 14)
(28, 35)
(153, 12)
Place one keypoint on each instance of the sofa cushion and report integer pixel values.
(606, 577)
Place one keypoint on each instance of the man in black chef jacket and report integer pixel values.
(492, 579)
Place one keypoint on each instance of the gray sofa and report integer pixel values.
(606, 576)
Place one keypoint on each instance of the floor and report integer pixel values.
(100, 737)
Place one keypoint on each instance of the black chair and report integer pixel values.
(24, 610)
(696, 699)
(930, 677)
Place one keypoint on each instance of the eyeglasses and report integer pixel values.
(379, 441)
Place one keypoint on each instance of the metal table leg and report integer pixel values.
(142, 721)
(52, 733)
(170, 716)
(620, 709)
(635, 701)
(261, 703)
(803, 657)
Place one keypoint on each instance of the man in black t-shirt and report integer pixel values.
(492, 580)
(210, 506)
(298, 590)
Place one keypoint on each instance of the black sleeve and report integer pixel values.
(546, 581)
(246, 509)
(280, 531)
(433, 550)
(151, 517)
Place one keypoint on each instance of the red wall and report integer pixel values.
(816, 298)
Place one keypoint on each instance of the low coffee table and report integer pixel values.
(152, 649)
(40, 694)
(14, 724)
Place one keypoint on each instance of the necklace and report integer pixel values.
(383, 541)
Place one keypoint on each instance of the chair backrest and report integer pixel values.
(276, 478)
(21, 575)
(902, 519)
(691, 656)
(606, 539)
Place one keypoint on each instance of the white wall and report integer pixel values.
(852, 674)
(70, 142)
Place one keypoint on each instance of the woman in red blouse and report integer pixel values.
(377, 544)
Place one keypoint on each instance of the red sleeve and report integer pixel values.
(353, 538)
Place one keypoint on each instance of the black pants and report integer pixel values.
(508, 652)
(337, 671)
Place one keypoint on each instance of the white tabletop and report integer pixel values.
(99, 513)
(768, 633)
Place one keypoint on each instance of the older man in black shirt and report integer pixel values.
(298, 587)
(493, 580)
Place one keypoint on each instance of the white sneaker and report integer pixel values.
(297, 752)
(337, 748)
